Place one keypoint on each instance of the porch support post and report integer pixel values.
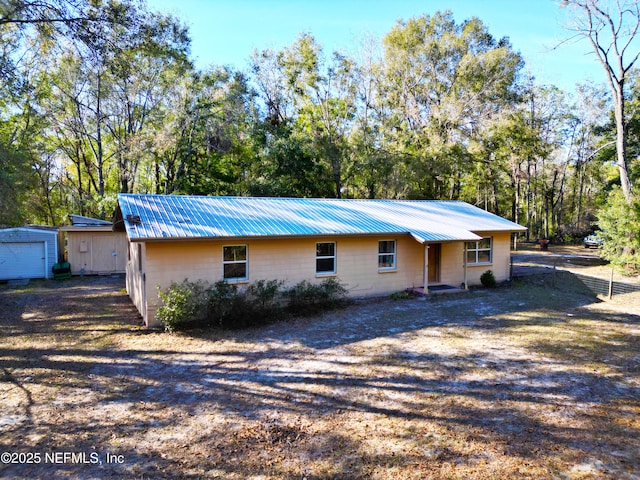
(464, 263)
(426, 269)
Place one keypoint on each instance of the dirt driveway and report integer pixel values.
(529, 258)
(521, 382)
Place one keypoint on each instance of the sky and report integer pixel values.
(226, 32)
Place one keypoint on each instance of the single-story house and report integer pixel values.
(93, 248)
(373, 247)
(27, 252)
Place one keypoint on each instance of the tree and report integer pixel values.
(375, 169)
(309, 112)
(76, 112)
(209, 142)
(109, 91)
(21, 126)
(43, 12)
(32, 34)
(619, 223)
(149, 56)
(16, 180)
(77, 21)
(444, 81)
(588, 118)
(633, 125)
(612, 28)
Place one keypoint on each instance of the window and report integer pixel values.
(234, 262)
(387, 255)
(479, 252)
(325, 257)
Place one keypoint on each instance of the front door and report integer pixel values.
(434, 263)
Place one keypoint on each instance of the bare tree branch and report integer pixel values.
(592, 19)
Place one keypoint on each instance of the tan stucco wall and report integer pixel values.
(452, 261)
(91, 252)
(501, 261)
(290, 260)
(293, 260)
(135, 278)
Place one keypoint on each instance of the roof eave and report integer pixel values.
(87, 228)
(416, 236)
(517, 228)
(261, 237)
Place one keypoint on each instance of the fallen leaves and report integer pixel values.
(433, 389)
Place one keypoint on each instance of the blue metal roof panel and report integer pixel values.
(176, 216)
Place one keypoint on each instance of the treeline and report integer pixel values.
(434, 110)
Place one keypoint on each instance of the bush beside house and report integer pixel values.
(187, 305)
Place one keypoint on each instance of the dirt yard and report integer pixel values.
(527, 381)
(571, 258)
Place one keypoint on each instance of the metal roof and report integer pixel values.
(156, 217)
(8, 233)
(80, 220)
(86, 224)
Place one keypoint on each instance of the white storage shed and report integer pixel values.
(27, 252)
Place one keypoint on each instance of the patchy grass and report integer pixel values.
(538, 380)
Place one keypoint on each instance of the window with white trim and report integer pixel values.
(387, 255)
(234, 262)
(325, 258)
(480, 252)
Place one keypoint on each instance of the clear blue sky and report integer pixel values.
(225, 32)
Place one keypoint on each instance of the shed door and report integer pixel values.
(22, 260)
(103, 253)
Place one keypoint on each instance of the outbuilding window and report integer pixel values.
(234, 262)
(325, 258)
(387, 255)
(479, 252)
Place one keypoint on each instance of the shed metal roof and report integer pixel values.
(9, 234)
(157, 217)
(80, 220)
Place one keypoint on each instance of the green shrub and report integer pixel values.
(301, 296)
(266, 294)
(256, 305)
(307, 298)
(199, 304)
(488, 279)
(404, 294)
(223, 301)
(184, 305)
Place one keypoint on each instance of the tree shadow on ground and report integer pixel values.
(278, 403)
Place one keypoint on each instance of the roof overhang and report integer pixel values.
(44, 229)
(463, 237)
(420, 238)
(237, 238)
(88, 228)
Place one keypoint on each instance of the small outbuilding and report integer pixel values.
(93, 248)
(27, 252)
(374, 247)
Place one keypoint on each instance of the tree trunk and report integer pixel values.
(99, 155)
(621, 143)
